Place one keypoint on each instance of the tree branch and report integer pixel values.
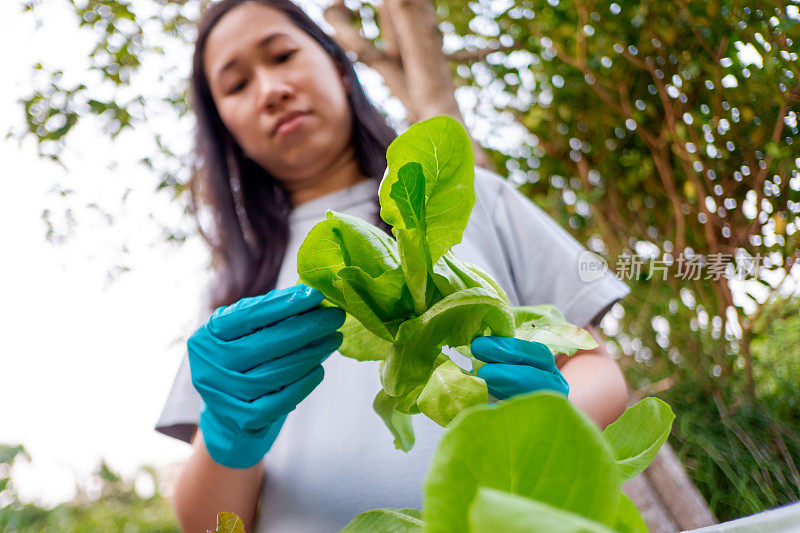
(388, 32)
(430, 85)
(390, 67)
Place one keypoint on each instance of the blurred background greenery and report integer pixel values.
(104, 502)
(661, 134)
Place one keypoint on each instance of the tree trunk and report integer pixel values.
(430, 85)
(680, 496)
(646, 500)
(666, 497)
(412, 62)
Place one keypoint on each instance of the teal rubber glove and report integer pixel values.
(253, 361)
(515, 366)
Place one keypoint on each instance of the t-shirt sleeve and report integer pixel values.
(181, 412)
(545, 260)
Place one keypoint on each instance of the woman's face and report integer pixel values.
(278, 92)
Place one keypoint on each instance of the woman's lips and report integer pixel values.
(292, 124)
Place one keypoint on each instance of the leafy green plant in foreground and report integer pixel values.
(409, 296)
(534, 464)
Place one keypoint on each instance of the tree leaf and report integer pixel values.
(495, 510)
(535, 445)
(9, 453)
(638, 434)
(386, 521)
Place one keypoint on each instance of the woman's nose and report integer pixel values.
(273, 91)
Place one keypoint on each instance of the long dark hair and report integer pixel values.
(250, 207)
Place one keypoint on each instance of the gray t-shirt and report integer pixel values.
(334, 458)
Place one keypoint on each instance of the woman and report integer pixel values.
(284, 132)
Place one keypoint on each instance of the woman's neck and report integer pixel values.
(344, 173)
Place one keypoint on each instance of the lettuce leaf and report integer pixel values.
(638, 434)
(495, 510)
(440, 148)
(537, 446)
(455, 320)
(386, 521)
(409, 296)
(449, 391)
(544, 323)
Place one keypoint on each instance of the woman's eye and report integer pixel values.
(281, 58)
(238, 87)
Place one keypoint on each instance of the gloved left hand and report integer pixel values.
(517, 366)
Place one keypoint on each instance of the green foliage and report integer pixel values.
(743, 458)
(495, 510)
(776, 349)
(9, 454)
(407, 299)
(398, 422)
(559, 335)
(449, 391)
(117, 507)
(636, 139)
(439, 155)
(126, 35)
(743, 454)
(542, 449)
(386, 521)
(54, 109)
(628, 517)
(533, 463)
(669, 129)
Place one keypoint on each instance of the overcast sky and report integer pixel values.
(86, 364)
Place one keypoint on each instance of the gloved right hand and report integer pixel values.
(253, 361)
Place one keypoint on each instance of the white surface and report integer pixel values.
(784, 519)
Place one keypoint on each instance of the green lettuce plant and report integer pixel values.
(406, 297)
(532, 464)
